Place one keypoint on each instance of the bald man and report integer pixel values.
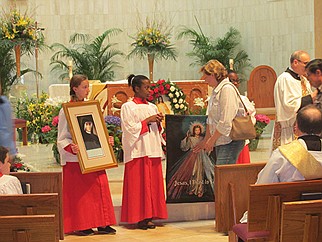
(302, 158)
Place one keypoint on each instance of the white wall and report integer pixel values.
(271, 29)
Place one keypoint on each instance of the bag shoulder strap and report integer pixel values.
(237, 95)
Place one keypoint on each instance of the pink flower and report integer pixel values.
(55, 121)
(262, 118)
(45, 129)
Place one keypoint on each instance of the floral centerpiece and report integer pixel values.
(42, 119)
(17, 26)
(153, 41)
(172, 91)
(18, 165)
(38, 113)
(113, 125)
(261, 122)
(19, 31)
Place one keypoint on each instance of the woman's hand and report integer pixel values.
(74, 148)
(199, 147)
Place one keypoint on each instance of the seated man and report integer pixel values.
(302, 158)
(8, 184)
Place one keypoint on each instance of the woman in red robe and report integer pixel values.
(86, 197)
(143, 187)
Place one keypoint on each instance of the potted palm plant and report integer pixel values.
(206, 48)
(93, 57)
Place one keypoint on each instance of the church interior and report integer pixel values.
(269, 31)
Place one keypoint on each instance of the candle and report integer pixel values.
(70, 63)
(231, 64)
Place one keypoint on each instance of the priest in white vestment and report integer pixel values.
(291, 92)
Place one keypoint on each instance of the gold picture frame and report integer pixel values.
(89, 132)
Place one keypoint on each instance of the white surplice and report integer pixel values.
(10, 185)
(287, 98)
(135, 144)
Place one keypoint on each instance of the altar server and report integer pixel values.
(143, 186)
(8, 184)
(87, 199)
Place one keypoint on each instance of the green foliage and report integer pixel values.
(90, 56)
(222, 49)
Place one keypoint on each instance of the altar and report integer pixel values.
(112, 95)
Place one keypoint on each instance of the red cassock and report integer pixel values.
(86, 199)
(244, 156)
(143, 190)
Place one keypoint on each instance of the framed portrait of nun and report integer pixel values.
(89, 132)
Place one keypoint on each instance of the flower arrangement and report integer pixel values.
(172, 91)
(18, 165)
(153, 41)
(261, 122)
(39, 114)
(113, 125)
(200, 106)
(17, 26)
(154, 38)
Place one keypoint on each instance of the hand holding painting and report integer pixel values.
(79, 190)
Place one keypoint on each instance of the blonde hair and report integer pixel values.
(216, 68)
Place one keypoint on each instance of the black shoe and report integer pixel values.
(85, 232)
(106, 230)
(150, 225)
(142, 225)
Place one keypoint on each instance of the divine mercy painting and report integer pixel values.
(190, 175)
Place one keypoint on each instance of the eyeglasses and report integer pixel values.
(304, 62)
(237, 81)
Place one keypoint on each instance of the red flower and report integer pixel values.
(156, 90)
(55, 121)
(161, 88)
(45, 129)
(160, 81)
(167, 86)
(18, 165)
(150, 98)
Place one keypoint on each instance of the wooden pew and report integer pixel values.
(28, 228)
(231, 184)
(45, 182)
(265, 202)
(32, 204)
(301, 221)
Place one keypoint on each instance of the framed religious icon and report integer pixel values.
(89, 132)
(189, 175)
